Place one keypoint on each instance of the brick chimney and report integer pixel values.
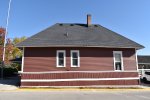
(88, 20)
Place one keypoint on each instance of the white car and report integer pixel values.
(145, 75)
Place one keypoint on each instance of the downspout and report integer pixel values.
(22, 65)
(136, 60)
(137, 66)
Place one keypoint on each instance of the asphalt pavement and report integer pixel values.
(75, 95)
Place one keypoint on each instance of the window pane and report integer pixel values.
(75, 62)
(61, 55)
(61, 62)
(118, 57)
(61, 59)
(118, 66)
(74, 55)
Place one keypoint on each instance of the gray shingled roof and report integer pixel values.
(143, 59)
(78, 35)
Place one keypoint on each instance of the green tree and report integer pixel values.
(2, 34)
(18, 40)
(16, 51)
(11, 50)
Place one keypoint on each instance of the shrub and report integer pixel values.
(8, 71)
(16, 65)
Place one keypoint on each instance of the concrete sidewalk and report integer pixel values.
(4, 87)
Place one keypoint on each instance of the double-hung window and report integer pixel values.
(118, 61)
(75, 58)
(61, 58)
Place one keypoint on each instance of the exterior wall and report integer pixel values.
(79, 79)
(91, 59)
(96, 68)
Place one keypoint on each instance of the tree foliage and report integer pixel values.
(12, 51)
(16, 51)
(18, 40)
(2, 34)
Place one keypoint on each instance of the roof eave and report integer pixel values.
(137, 48)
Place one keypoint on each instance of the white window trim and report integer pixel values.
(122, 67)
(78, 53)
(57, 59)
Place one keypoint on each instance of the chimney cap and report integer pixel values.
(88, 14)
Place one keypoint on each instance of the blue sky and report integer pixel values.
(130, 18)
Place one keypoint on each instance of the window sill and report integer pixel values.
(60, 66)
(119, 70)
(75, 66)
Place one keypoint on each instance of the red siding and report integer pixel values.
(81, 83)
(80, 75)
(73, 75)
(91, 59)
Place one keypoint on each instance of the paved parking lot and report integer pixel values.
(75, 95)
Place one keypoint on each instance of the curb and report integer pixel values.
(77, 89)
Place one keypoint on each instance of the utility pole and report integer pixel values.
(4, 46)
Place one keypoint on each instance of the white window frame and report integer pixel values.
(122, 67)
(78, 53)
(57, 59)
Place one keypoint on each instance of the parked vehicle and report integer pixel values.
(145, 75)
